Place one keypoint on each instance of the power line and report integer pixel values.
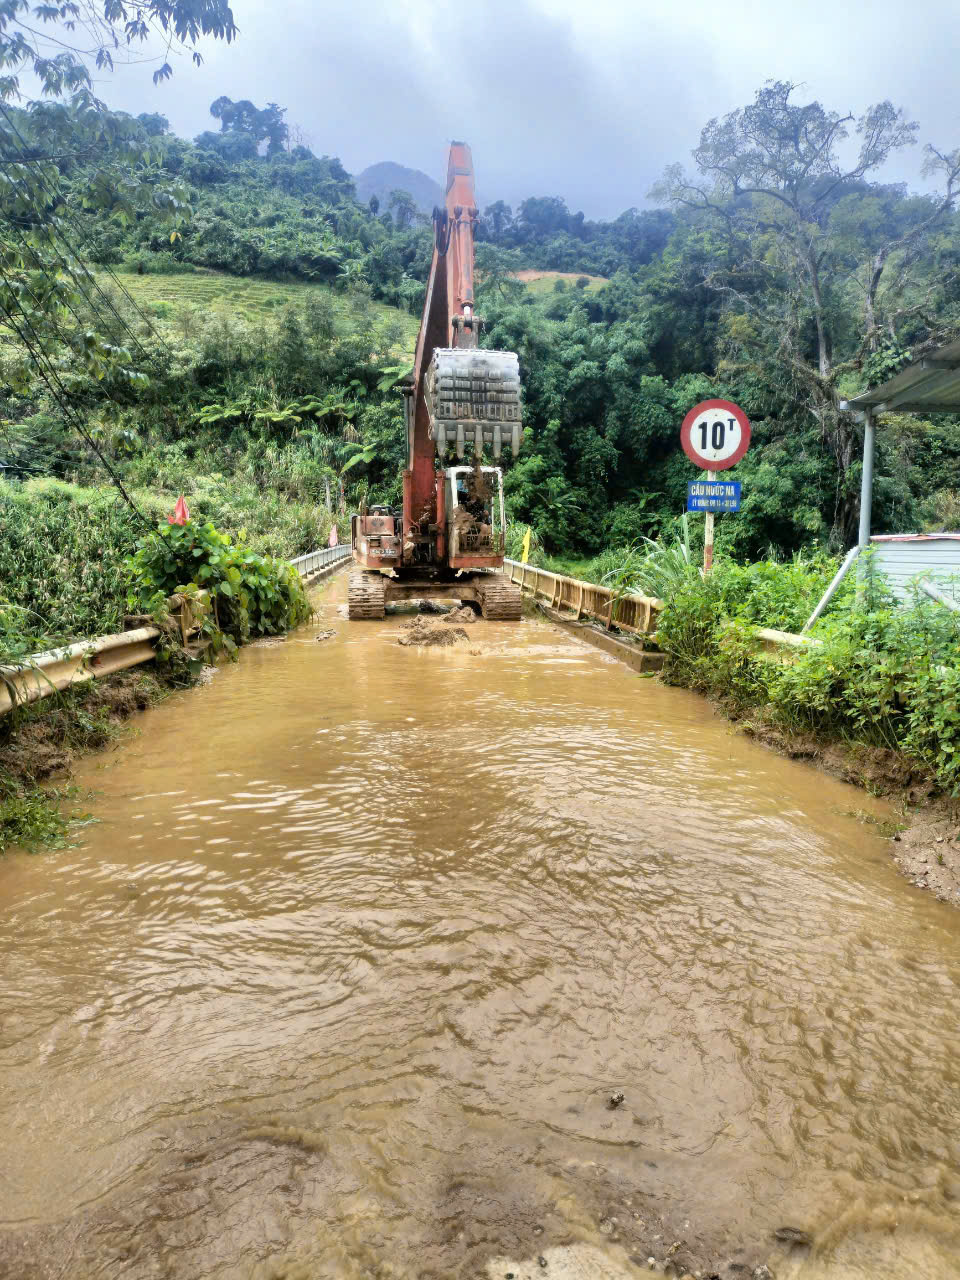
(41, 361)
(38, 266)
(54, 196)
(56, 388)
(78, 276)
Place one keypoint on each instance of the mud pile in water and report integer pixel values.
(463, 614)
(424, 633)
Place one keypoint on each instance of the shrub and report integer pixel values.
(769, 593)
(250, 593)
(148, 263)
(882, 675)
(63, 547)
(62, 550)
(516, 533)
(654, 568)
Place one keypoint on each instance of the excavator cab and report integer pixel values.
(475, 513)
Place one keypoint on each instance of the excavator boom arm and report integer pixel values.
(452, 530)
(461, 394)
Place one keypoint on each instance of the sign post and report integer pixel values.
(715, 435)
(708, 542)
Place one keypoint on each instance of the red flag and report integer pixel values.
(181, 512)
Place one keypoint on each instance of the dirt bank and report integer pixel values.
(925, 843)
(45, 738)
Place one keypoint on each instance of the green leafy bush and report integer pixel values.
(146, 262)
(19, 637)
(769, 593)
(516, 533)
(62, 551)
(250, 594)
(882, 675)
(64, 547)
(30, 818)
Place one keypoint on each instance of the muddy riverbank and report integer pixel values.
(924, 829)
(367, 938)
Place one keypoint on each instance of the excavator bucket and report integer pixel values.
(473, 396)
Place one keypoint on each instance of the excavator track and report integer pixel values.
(500, 599)
(365, 596)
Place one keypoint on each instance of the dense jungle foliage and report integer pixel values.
(223, 318)
(782, 275)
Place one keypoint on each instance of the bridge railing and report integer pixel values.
(636, 614)
(314, 561)
(68, 665)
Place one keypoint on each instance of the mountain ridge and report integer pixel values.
(386, 176)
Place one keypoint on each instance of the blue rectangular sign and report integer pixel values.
(713, 495)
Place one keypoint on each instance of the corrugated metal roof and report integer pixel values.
(915, 537)
(930, 385)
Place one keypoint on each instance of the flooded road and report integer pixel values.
(367, 937)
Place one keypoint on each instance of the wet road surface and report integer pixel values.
(365, 938)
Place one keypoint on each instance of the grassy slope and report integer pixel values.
(164, 298)
(544, 281)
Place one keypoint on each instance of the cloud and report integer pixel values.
(557, 97)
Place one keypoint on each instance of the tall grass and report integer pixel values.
(654, 568)
(63, 547)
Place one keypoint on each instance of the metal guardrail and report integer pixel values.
(58, 669)
(314, 561)
(776, 641)
(636, 614)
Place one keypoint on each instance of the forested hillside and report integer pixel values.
(254, 318)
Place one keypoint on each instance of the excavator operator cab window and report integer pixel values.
(478, 507)
(475, 508)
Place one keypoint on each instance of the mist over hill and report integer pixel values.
(380, 179)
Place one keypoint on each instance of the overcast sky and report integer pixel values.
(588, 99)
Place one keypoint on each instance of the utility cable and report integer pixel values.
(78, 276)
(65, 210)
(59, 392)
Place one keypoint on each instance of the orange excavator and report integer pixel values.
(448, 539)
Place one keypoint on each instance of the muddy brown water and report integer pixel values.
(365, 937)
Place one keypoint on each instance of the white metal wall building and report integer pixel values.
(904, 557)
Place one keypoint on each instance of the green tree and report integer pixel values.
(771, 178)
(48, 298)
(242, 119)
(499, 216)
(403, 207)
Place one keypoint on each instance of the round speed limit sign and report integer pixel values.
(715, 434)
